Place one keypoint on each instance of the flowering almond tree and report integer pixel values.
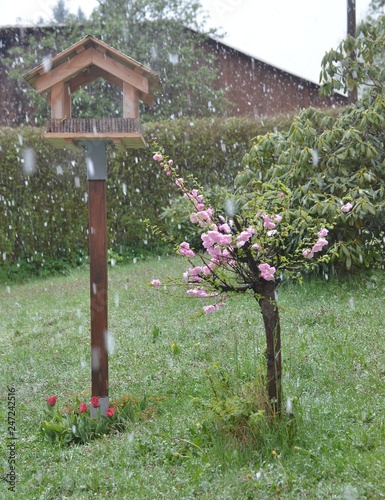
(249, 246)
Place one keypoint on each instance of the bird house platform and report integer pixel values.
(76, 67)
(124, 132)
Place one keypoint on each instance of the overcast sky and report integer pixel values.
(290, 34)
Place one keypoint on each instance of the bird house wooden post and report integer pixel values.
(60, 77)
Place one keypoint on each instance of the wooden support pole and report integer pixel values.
(96, 173)
(130, 101)
(351, 28)
(61, 101)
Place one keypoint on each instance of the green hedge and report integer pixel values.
(43, 213)
(43, 190)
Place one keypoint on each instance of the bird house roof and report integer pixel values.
(88, 60)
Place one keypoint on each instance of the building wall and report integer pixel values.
(14, 109)
(256, 88)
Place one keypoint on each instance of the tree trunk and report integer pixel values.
(267, 302)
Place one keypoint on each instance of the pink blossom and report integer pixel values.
(267, 271)
(200, 206)
(210, 246)
(244, 236)
(212, 265)
(156, 283)
(215, 307)
(215, 237)
(185, 250)
(225, 240)
(207, 241)
(347, 207)
(157, 157)
(179, 182)
(268, 223)
(277, 218)
(322, 233)
(240, 243)
(215, 251)
(307, 253)
(255, 246)
(224, 256)
(194, 196)
(204, 217)
(197, 292)
(170, 162)
(211, 308)
(195, 271)
(194, 218)
(318, 246)
(208, 269)
(271, 232)
(281, 195)
(193, 274)
(225, 228)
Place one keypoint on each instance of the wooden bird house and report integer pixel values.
(60, 77)
(79, 65)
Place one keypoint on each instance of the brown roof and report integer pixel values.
(99, 59)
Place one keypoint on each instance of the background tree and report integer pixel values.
(81, 16)
(165, 36)
(44, 43)
(60, 13)
(377, 7)
(342, 72)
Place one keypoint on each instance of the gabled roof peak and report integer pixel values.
(70, 62)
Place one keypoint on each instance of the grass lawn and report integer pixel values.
(161, 346)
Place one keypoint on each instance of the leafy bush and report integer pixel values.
(331, 165)
(240, 410)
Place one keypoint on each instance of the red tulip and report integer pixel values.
(52, 400)
(95, 402)
(110, 412)
(83, 408)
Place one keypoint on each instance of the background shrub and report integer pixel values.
(43, 226)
